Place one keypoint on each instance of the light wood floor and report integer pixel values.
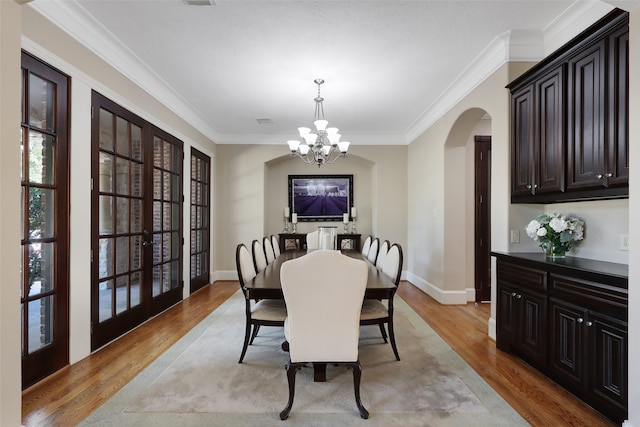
(70, 395)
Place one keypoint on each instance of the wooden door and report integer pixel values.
(549, 153)
(522, 140)
(586, 111)
(482, 220)
(200, 214)
(44, 266)
(136, 220)
(532, 327)
(568, 344)
(617, 171)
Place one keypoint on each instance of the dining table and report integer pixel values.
(267, 285)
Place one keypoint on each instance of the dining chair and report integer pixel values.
(373, 251)
(366, 246)
(313, 240)
(324, 292)
(266, 312)
(382, 254)
(268, 250)
(276, 245)
(375, 312)
(259, 258)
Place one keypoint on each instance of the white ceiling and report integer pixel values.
(390, 67)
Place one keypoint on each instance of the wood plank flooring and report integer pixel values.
(70, 395)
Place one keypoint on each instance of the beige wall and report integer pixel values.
(10, 414)
(251, 194)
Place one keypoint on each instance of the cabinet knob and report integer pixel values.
(580, 320)
(589, 323)
(519, 296)
(529, 186)
(599, 176)
(535, 185)
(513, 294)
(609, 175)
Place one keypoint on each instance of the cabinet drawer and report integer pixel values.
(526, 277)
(592, 295)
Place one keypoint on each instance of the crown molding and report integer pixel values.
(73, 20)
(516, 46)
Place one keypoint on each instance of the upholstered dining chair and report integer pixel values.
(268, 250)
(366, 246)
(276, 245)
(313, 240)
(266, 312)
(373, 251)
(259, 258)
(375, 312)
(382, 254)
(324, 292)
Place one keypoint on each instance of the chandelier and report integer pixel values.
(323, 145)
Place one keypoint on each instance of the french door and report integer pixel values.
(200, 214)
(44, 262)
(136, 220)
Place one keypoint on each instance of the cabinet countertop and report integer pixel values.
(611, 269)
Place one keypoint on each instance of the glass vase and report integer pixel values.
(555, 252)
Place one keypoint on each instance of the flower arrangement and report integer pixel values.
(556, 233)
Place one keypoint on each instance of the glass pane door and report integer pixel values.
(136, 231)
(44, 227)
(200, 231)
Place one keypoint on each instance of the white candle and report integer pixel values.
(286, 212)
(294, 218)
(353, 212)
(345, 218)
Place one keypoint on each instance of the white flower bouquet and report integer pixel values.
(556, 233)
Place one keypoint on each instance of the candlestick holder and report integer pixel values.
(294, 228)
(353, 227)
(286, 225)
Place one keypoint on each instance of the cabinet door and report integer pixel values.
(617, 171)
(522, 137)
(532, 327)
(505, 316)
(609, 363)
(549, 141)
(568, 345)
(586, 115)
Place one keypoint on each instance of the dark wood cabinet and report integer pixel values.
(568, 318)
(522, 313)
(537, 135)
(569, 135)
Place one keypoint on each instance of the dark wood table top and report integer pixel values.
(266, 285)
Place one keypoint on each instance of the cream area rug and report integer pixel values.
(198, 382)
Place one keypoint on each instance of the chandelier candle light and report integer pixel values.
(556, 233)
(322, 146)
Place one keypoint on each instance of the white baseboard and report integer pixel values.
(492, 328)
(443, 297)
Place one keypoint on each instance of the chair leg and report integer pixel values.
(383, 332)
(292, 368)
(392, 337)
(357, 373)
(247, 332)
(256, 328)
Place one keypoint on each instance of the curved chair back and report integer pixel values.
(259, 258)
(393, 263)
(373, 251)
(268, 250)
(244, 265)
(276, 245)
(366, 246)
(382, 254)
(323, 292)
(313, 240)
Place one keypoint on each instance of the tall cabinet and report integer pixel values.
(569, 134)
